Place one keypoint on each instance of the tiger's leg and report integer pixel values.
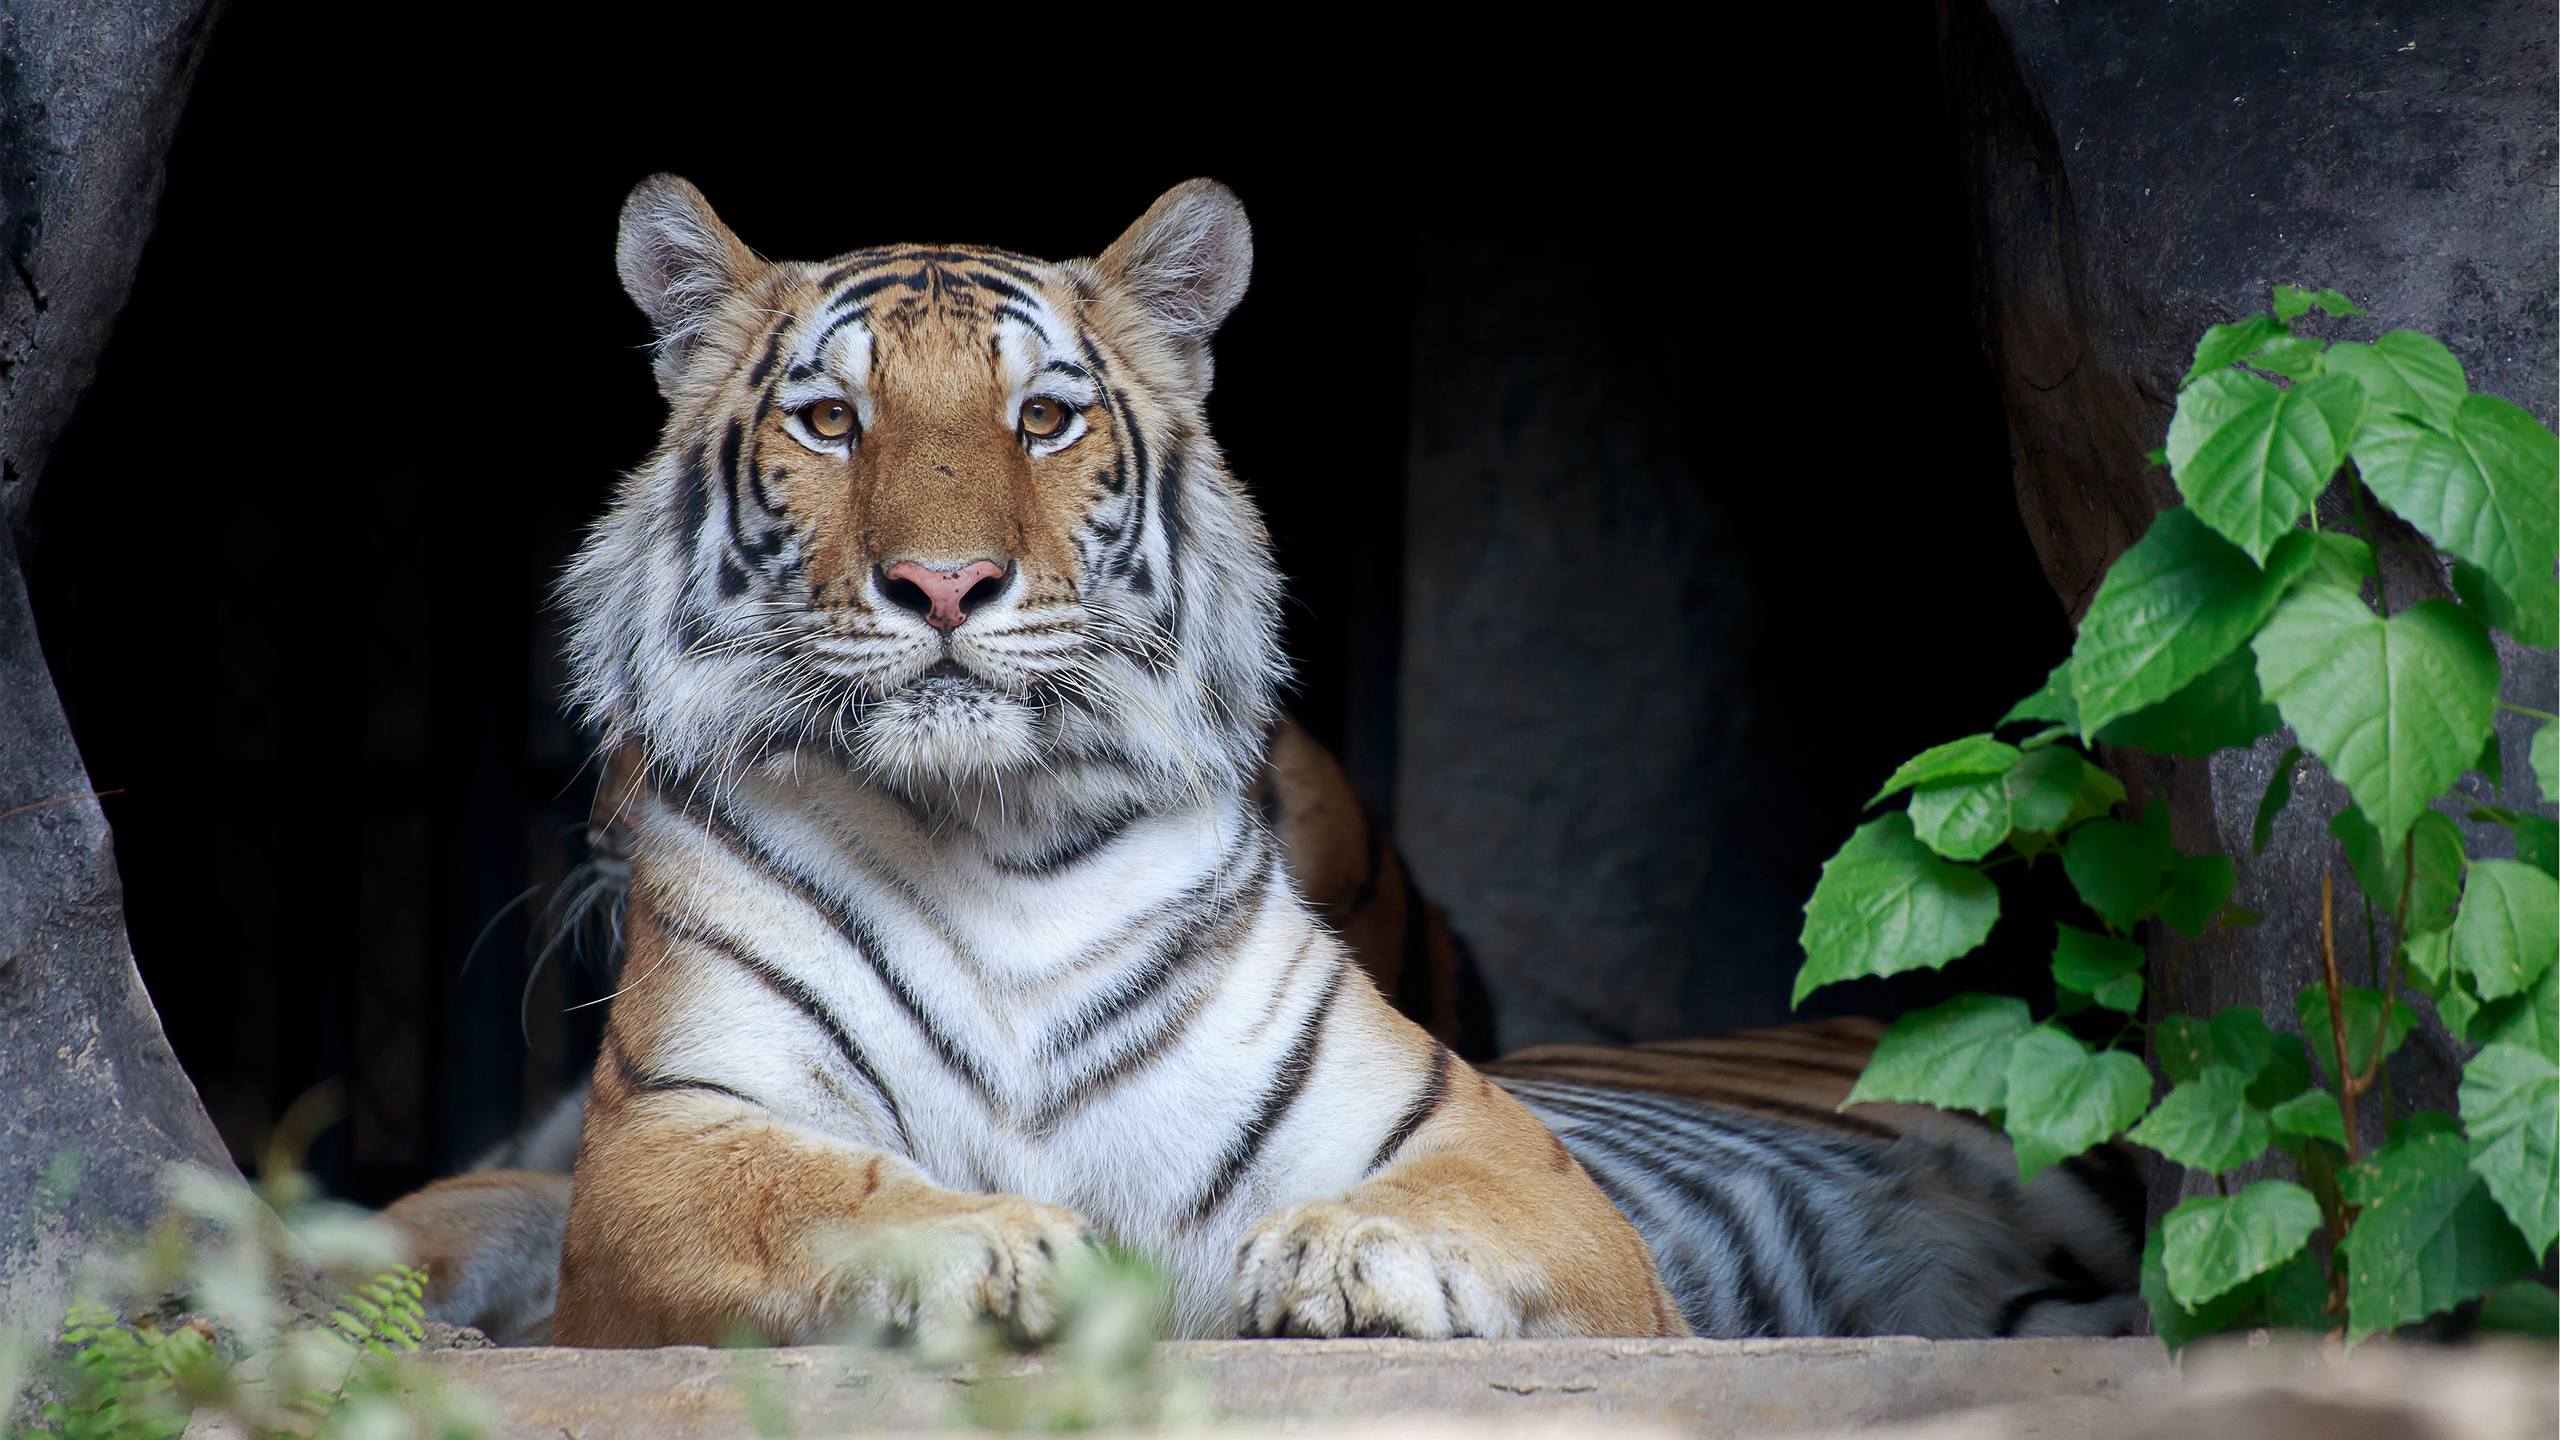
(695, 1215)
(1482, 1225)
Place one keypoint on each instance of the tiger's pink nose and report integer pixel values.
(944, 597)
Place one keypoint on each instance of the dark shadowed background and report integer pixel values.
(1642, 488)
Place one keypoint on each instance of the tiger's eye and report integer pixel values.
(828, 419)
(1043, 417)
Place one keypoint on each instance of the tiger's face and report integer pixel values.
(949, 514)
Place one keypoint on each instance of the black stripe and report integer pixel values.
(694, 501)
(1014, 293)
(1027, 320)
(800, 997)
(1141, 1051)
(1076, 847)
(633, 1076)
(2077, 1287)
(1688, 1089)
(1292, 1078)
(1426, 1103)
(1173, 951)
(1760, 1315)
(1768, 1154)
(851, 925)
(772, 352)
(856, 294)
(818, 347)
(1170, 478)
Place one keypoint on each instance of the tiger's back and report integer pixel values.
(1774, 1211)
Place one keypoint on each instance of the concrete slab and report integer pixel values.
(1687, 1387)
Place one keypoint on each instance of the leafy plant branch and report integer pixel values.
(2236, 616)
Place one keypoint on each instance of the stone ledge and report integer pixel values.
(1690, 1387)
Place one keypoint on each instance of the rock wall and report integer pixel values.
(93, 1105)
(2137, 173)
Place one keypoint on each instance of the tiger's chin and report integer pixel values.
(946, 726)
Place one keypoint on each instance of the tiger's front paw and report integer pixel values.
(996, 1260)
(1324, 1268)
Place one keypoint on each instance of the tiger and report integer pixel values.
(489, 1238)
(946, 643)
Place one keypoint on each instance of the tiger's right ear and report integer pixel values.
(678, 262)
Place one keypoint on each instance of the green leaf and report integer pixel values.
(2313, 1113)
(2206, 1123)
(2544, 756)
(2428, 961)
(2171, 608)
(2340, 560)
(2042, 788)
(2063, 1098)
(2365, 1025)
(2292, 301)
(2522, 1307)
(2213, 1244)
(2404, 372)
(2531, 614)
(1962, 819)
(2485, 486)
(2270, 805)
(2435, 842)
(2251, 457)
(2291, 1296)
(2457, 1007)
(2509, 928)
(2396, 708)
(2491, 765)
(2084, 960)
(2511, 1105)
(2531, 1020)
(2178, 1325)
(2119, 866)
(2123, 995)
(2099, 793)
(2537, 838)
(1954, 1056)
(2285, 1072)
(1972, 755)
(1885, 905)
(2295, 357)
(2238, 1037)
(2051, 703)
(2430, 1236)
(2226, 344)
(2220, 709)
(2198, 886)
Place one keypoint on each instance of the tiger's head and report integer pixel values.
(949, 515)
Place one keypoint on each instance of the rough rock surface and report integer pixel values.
(96, 1105)
(90, 94)
(2138, 173)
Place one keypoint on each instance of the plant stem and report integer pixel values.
(2527, 710)
(2364, 522)
(2347, 1088)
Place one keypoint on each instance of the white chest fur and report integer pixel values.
(1149, 1033)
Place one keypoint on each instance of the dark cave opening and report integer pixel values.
(376, 373)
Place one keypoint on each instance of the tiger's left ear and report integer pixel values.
(1187, 259)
